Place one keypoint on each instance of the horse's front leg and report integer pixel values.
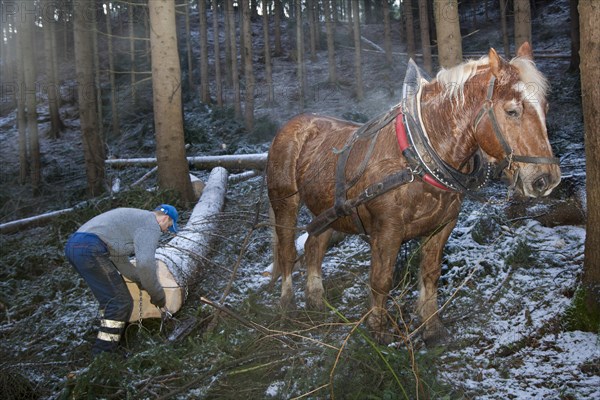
(385, 245)
(314, 251)
(431, 259)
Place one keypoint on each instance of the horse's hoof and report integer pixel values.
(436, 337)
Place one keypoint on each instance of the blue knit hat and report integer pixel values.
(171, 212)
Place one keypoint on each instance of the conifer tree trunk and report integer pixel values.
(267, 54)
(387, 41)
(235, 79)
(278, 12)
(330, 26)
(300, 53)
(52, 89)
(522, 22)
(19, 75)
(132, 56)
(448, 32)
(86, 90)
(30, 96)
(410, 29)
(228, 56)
(217, 54)
(114, 103)
(312, 29)
(360, 94)
(575, 41)
(204, 78)
(505, 41)
(173, 171)
(188, 47)
(425, 40)
(248, 70)
(589, 19)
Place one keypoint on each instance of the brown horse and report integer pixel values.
(489, 106)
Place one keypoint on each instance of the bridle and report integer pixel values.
(488, 109)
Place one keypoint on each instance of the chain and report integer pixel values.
(140, 307)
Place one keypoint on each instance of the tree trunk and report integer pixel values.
(52, 88)
(448, 32)
(248, 70)
(330, 26)
(173, 172)
(93, 144)
(188, 47)
(300, 53)
(235, 79)
(30, 98)
(575, 41)
(522, 23)
(312, 29)
(589, 12)
(387, 41)
(114, 103)
(203, 31)
(425, 40)
(267, 49)
(360, 93)
(231, 162)
(277, 22)
(180, 259)
(21, 115)
(132, 55)
(217, 55)
(505, 41)
(410, 29)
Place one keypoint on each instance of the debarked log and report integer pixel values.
(179, 260)
(230, 162)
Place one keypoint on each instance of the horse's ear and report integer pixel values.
(525, 51)
(495, 62)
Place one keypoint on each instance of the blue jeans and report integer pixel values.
(89, 255)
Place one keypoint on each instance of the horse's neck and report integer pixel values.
(449, 125)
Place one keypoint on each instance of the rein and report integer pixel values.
(488, 109)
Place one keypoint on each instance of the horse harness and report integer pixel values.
(423, 160)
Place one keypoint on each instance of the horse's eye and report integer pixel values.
(513, 113)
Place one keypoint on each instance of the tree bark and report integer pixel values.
(300, 53)
(330, 26)
(248, 67)
(93, 144)
(360, 92)
(235, 79)
(505, 41)
(217, 54)
(114, 104)
(522, 23)
(173, 172)
(387, 36)
(203, 31)
(589, 11)
(52, 88)
(267, 54)
(425, 40)
(188, 47)
(179, 261)
(278, 13)
(231, 162)
(29, 91)
(410, 29)
(448, 33)
(575, 41)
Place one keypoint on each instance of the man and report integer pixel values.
(100, 251)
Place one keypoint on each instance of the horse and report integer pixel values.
(482, 115)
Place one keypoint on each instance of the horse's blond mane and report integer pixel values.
(532, 83)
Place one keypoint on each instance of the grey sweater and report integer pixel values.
(129, 231)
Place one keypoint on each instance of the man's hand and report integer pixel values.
(160, 301)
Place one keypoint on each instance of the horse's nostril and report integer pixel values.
(541, 184)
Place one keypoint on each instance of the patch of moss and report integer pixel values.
(578, 317)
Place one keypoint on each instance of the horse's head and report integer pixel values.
(510, 126)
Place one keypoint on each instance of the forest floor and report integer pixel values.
(507, 286)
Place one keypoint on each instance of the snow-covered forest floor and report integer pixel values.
(507, 285)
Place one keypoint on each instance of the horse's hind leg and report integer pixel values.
(431, 259)
(314, 251)
(285, 219)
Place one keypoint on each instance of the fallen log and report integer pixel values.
(230, 162)
(178, 260)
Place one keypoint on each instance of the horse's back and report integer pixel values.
(303, 143)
